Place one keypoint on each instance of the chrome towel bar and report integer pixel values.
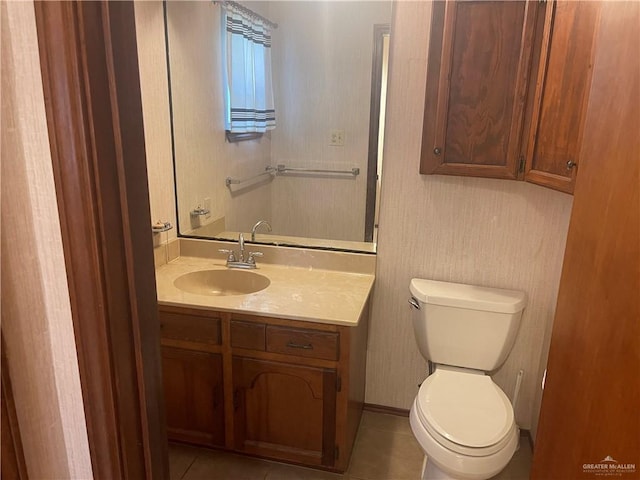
(269, 170)
(284, 169)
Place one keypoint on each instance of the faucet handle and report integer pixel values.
(252, 256)
(231, 255)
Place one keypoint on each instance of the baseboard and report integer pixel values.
(372, 407)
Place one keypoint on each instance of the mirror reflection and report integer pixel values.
(306, 161)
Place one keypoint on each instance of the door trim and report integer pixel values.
(89, 63)
(379, 32)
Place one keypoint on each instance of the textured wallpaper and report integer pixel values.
(37, 325)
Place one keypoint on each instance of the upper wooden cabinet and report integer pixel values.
(507, 88)
(561, 95)
(479, 57)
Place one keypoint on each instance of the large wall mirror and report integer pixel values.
(315, 177)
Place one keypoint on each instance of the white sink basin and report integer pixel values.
(222, 282)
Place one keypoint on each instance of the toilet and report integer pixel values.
(462, 420)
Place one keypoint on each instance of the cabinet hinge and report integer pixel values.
(338, 384)
(337, 452)
(521, 168)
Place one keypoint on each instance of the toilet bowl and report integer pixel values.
(465, 425)
(462, 420)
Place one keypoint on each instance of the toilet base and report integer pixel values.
(431, 472)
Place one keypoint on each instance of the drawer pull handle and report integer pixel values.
(306, 346)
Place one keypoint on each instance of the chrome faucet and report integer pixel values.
(239, 261)
(255, 227)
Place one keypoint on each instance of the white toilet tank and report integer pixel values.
(464, 325)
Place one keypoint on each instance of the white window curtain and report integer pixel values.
(247, 70)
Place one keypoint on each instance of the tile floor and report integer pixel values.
(384, 450)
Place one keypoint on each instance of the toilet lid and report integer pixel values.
(465, 408)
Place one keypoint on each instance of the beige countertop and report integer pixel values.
(297, 293)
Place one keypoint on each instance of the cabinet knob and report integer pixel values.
(437, 151)
(571, 164)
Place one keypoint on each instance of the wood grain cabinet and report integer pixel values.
(275, 388)
(561, 93)
(285, 411)
(479, 55)
(192, 370)
(193, 392)
(507, 88)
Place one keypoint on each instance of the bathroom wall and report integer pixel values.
(322, 60)
(37, 326)
(488, 232)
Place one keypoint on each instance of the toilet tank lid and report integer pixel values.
(468, 296)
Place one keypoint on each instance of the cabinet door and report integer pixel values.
(193, 393)
(479, 60)
(284, 411)
(562, 92)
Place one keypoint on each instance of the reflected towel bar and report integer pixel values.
(234, 181)
(284, 169)
(281, 169)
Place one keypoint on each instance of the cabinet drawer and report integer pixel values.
(190, 328)
(247, 335)
(302, 342)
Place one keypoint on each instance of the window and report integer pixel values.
(249, 107)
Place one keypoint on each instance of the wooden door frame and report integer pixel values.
(379, 32)
(89, 62)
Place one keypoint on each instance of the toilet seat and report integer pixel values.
(465, 411)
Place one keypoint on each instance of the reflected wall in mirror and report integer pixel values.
(329, 62)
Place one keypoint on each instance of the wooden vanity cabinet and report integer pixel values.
(507, 89)
(285, 411)
(293, 390)
(193, 393)
(192, 369)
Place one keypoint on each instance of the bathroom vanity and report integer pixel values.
(278, 373)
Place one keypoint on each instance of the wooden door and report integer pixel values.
(590, 418)
(285, 411)
(561, 93)
(193, 392)
(479, 59)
